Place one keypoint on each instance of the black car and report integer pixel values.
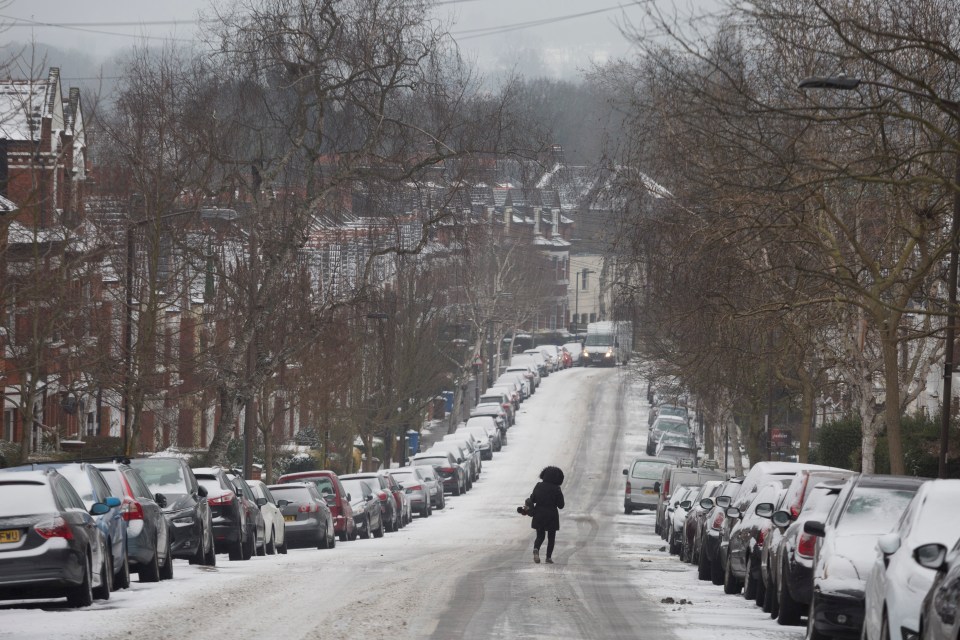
(148, 532)
(50, 545)
(256, 527)
(187, 510)
(383, 492)
(743, 554)
(707, 539)
(231, 534)
(868, 506)
(92, 488)
(367, 509)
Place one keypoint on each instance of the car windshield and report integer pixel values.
(431, 460)
(819, 502)
(403, 476)
(292, 493)
(874, 509)
(670, 426)
(323, 484)
(673, 411)
(162, 476)
(648, 470)
(25, 499)
(599, 340)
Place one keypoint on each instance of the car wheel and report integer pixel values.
(82, 594)
(456, 488)
(106, 578)
(343, 536)
(166, 571)
(121, 579)
(210, 556)
(788, 609)
(150, 572)
(703, 567)
(235, 552)
(332, 542)
(380, 531)
(761, 595)
(272, 543)
(354, 534)
(261, 550)
(627, 509)
(250, 548)
(365, 534)
(425, 510)
(749, 584)
(730, 583)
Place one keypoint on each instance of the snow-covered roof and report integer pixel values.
(25, 103)
(7, 206)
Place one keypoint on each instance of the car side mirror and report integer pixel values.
(764, 509)
(624, 472)
(686, 504)
(202, 491)
(368, 497)
(282, 502)
(932, 556)
(112, 502)
(99, 508)
(888, 543)
(349, 498)
(781, 519)
(724, 501)
(261, 502)
(161, 500)
(733, 513)
(706, 503)
(814, 528)
(656, 487)
(331, 499)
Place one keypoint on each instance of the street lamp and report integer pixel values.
(846, 83)
(576, 298)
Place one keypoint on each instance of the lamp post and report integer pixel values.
(576, 298)
(845, 83)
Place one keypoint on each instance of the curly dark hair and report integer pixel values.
(553, 475)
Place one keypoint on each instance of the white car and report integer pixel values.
(898, 582)
(274, 540)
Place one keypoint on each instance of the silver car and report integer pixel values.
(415, 487)
(306, 516)
(642, 474)
(274, 538)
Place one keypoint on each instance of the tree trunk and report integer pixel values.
(224, 431)
(808, 401)
(735, 448)
(891, 371)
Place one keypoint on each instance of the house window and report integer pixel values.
(9, 423)
(593, 317)
(91, 426)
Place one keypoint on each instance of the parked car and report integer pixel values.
(571, 354)
(667, 410)
(702, 503)
(93, 488)
(643, 473)
(148, 532)
(868, 506)
(743, 558)
(306, 515)
(489, 425)
(677, 510)
(462, 457)
(366, 506)
(273, 521)
(898, 580)
(528, 371)
(454, 476)
(328, 482)
(485, 436)
(230, 530)
(518, 380)
(759, 474)
(789, 553)
(415, 485)
(666, 424)
(499, 415)
(384, 493)
(401, 499)
(50, 546)
(501, 399)
(434, 483)
(472, 446)
(938, 612)
(708, 547)
(187, 510)
(676, 447)
(256, 529)
(672, 477)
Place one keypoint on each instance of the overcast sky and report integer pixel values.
(492, 32)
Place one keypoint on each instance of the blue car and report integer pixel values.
(92, 488)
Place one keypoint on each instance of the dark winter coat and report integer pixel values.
(547, 499)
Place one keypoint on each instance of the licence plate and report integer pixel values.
(649, 492)
(9, 536)
(289, 518)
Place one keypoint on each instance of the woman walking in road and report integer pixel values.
(545, 503)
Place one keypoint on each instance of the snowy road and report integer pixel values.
(465, 572)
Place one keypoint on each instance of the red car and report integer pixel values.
(328, 484)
